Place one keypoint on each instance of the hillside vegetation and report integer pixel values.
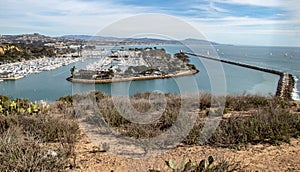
(13, 52)
(42, 137)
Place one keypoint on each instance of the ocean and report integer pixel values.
(214, 77)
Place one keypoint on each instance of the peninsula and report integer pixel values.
(134, 64)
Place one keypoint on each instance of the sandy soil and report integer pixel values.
(262, 157)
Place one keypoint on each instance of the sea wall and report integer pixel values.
(285, 87)
(285, 84)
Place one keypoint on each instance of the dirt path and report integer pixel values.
(285, 157)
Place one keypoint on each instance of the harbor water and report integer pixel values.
(50, 85)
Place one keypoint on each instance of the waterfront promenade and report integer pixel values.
(285, 84)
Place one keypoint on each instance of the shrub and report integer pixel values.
(265, 126)
(50, 129)
(269, 122)
(203, 165)
(27, 128)
(246, 102)
(19, 153)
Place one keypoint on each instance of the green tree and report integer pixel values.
(184, 58)
(72, 70)
(111, 72)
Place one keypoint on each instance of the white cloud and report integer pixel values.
(238, 21)
(249, 21)
(248, 30)
(210, 8)
(293, 7)
(71, 16)
(152, 24)
(266, 3)
(54, 17)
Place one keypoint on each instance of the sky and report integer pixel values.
(239, 22)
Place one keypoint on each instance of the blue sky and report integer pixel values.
(242, 22)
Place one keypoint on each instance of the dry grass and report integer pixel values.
(39, 138)
(269, 120)
(33, 138)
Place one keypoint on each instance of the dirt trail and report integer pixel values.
(261, 157)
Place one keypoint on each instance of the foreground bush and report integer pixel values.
(37, 137)
(267, 119)
(33, 137)
(20, 153)
(208, 165)
(264, 126)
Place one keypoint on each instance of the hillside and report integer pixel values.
(128, 41)
(255, 134)
(16, 52)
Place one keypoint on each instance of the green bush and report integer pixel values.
(265, 126)
(269, 121)
(204, 165)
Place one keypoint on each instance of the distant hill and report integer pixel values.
(91, 38)
(39, 39)
(35, 38)
(138, 40)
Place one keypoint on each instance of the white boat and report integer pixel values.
(208, 53)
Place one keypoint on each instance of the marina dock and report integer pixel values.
(19, 70)
(12, 78)
(285, 84)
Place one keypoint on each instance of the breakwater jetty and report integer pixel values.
(285, 84)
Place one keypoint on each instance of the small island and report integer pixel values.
(134, 64)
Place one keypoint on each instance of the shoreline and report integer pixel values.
(102, 81)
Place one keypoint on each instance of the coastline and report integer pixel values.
(102, 81)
